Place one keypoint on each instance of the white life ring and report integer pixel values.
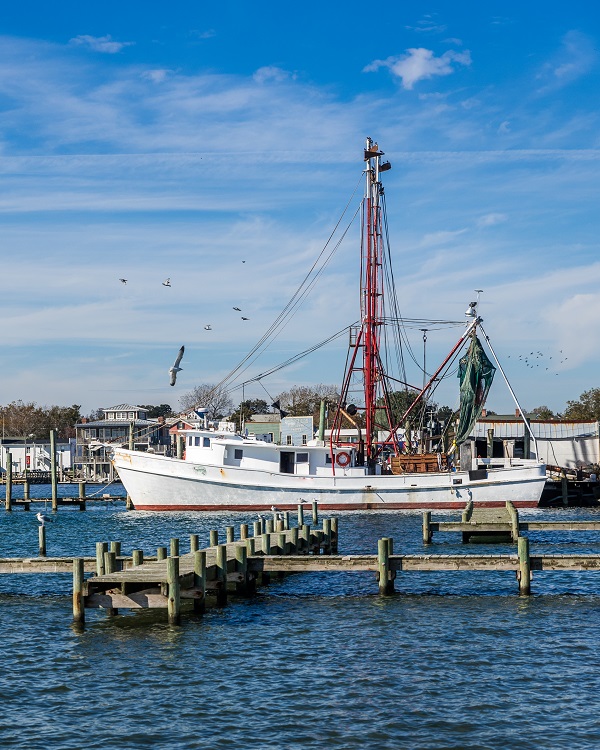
(342, 459)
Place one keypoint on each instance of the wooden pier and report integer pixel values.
(487, 525)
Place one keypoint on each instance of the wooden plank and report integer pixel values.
(13, 565)
(453, 562)
(565, 562)
(306, 563)
(137, 600)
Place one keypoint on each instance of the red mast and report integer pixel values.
(367, 338)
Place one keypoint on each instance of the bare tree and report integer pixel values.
(304, 401)
(215, 400)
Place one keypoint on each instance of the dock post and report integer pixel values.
(304, 539)
(110, 566)
(174, 597)
(222, 575)
(213, 538)
(229, 534)
(174, 547)
(241, 567)
(81, 495)
(269, 527)
(9, 481)
(243, 531)
(467, 512)
(137, 557)
(334, 536)
(194, 543)
(42, 540)
(101, 548)
(257, 528)
(427, 533)
(327, 536)
(78, 603)
(315, 513)
(200, 581)
(300, 515)
(26, 493)
(524, 574)
(116, 548)
(161, 553)
(265, 544)
(564, 488)
(386, 586)
(53, 477)
(286, 520)
(294, 541)
(514, 521)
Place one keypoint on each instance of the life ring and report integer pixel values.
(342, 459)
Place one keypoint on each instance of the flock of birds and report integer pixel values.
(531, 360)
(175, 368)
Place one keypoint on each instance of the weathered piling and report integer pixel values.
(53, 476)
(137, 557)
(327, 536)
(315, 513)
(427, 532)
(241, 567)
(221, 575)
(26, 492)
(174, 591)
(161, 553)
(244, 531)
(101, 550)
(524, 572)
(110, 566)
(334, 536)
(81, 495)
(467, 512)
(229, 534)
(194, 543)
(78, 582)
(174, 547)
(9, 481)
(42, 540)
(257, 528)
(200, 581)
(213, 538)
(269, 526)
(300, 515)
(116, 548)
(514, 521)
(265, 545)
(386, 586)
(286, 520)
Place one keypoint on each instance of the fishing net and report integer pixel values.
(476, 373)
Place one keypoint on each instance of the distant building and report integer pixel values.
(265, 427)
(34, 455)
(92, 459)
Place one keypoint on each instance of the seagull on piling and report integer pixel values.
(42, 518)
(175, 369)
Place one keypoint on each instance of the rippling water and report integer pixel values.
(454, 660)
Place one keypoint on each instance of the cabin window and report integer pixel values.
(303, 439)
(238, 453)
(328, 459)
(206, 442)
(301, 458)
(190, 440)
(288, 440)
(196, 440)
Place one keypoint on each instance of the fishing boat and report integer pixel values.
(380, 469)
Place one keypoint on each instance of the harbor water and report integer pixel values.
(453, 660)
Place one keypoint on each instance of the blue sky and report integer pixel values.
(217, 144)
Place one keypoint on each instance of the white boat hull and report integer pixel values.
(160, 483)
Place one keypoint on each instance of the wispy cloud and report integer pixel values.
(419, 64)
(489, 220)
(100, 43)
(575, 58)
(271, 73)
(428, 25)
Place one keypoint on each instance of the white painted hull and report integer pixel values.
(159, 483)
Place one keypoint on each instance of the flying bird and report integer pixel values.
(42, 518)
(208, 328)
(175, 369)
(243, 318)
(167, 282)
(123, 281)
(239, 309)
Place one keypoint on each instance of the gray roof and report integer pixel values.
(123, 407)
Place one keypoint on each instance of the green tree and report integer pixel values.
(588, 406)
(162, 410)
(248, 408)
(542, 412)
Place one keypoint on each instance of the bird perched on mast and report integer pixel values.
(175, 369)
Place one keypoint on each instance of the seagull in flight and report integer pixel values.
(239, 309)
(167, 282)
(42, 518)
(243, 318)
(208, 328)
(123, 281)
(175, 369)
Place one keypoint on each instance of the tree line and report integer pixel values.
(26, 419)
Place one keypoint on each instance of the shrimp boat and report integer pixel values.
(379, 469)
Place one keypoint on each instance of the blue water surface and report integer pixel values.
(453, 660)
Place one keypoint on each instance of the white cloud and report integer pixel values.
(100, 43)
(574, 59)
(489, 220)
(158, 75)
(427, 24)
(419, 64)
(270, 73)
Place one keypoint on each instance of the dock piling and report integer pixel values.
(101, 549)
(78, 602)
(315, 513)
(243, 531)
(174, 591)
(137, 557)
(42, 540)
(386, 585)
(213, 538)
(229, 534)
(524, 573)
(161, 553)
(300, 515)
(200, 581)
(221, 565)
(174, 547)
(81, 495)
(194, 543)
(514, 521)
(427, 532)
